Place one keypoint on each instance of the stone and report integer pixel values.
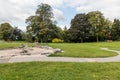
(22, 46)
(45, 53)
(36, 44)
(25, 53)
(57, 50)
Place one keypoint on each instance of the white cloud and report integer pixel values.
(58, 15)
(56, 3)
(15, 11)
(110, 8)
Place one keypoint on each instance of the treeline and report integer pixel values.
(41, 27)
(9, 33)
(92, 27)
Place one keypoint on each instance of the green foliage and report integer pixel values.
(80, 28)
(116, 30)
(41, 25)
(9, 33)
(5, 31)
(89, 27)
(107, 29)
(28, 37)
(54, 32)
(92, 27)
(97, 20)
(16, 34)
(66, 35)
(56, 40)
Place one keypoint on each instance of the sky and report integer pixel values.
(16, 12)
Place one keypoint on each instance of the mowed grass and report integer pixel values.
(60, 71)
(9, 45)
(86, 49)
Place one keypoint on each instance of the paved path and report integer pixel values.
(61, 59)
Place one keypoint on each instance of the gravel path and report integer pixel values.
(60, 59)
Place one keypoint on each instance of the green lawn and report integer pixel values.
(60, 71)
(7, 45)
(64, 70)
(86, 49)
(74, 49)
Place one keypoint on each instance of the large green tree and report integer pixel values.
(97, 21)
(107, 29)
(80, 28)
(16, 34)
(5, 31)
(116, 29)
(38, 25)
(66, 34)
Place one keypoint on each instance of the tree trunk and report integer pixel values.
(41, 41)
(97, 38)
(81, 40)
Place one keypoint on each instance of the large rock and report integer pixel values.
(57, 50)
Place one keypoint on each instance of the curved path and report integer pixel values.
(61, 59)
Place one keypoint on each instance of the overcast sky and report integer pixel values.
(16, 11)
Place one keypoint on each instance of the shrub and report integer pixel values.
(56, 40)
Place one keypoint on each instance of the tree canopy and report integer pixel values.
(80, 28)
(85, 27)
(7, 32)
(41, 24)
(97, 20)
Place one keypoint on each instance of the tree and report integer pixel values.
(80, 28)
(16, 34)
(65, 28)
(116, 30)
(96, 19)
(107, 29)
(38, 24)
(53, 32)
(66, 35)
(5, 31)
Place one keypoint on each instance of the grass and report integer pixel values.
(110, 45)
(64, 70)
(74, 49)
(7, 45)
(60, 71)
(86, 49)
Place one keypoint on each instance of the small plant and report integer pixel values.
(56, 40)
